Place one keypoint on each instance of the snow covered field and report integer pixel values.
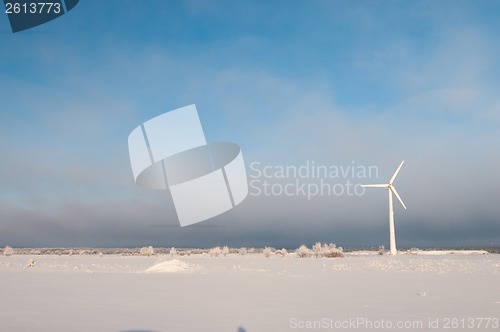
(359, 292)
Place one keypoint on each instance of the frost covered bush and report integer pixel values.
(147, 251)
(242, 251)
(7, 251)
(173, 252)
(225, 251)
(331, 251)
(281, 252)
(215, 252)
(320, 250)
(317, 249)
(198, 251)
(303, 251)
(381, 250)
(267, 251)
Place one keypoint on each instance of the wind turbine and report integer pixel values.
(391, 189)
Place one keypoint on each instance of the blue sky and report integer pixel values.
(373, 82)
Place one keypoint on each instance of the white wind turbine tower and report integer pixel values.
(391, 189)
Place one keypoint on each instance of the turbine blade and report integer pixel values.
(396, 173)
(397, 195)
(374, 185)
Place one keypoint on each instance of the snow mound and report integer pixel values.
(173, 265)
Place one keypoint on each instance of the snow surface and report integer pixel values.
(250, 293)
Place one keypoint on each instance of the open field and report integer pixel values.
(425, 291)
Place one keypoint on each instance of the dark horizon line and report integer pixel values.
(346, 249)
